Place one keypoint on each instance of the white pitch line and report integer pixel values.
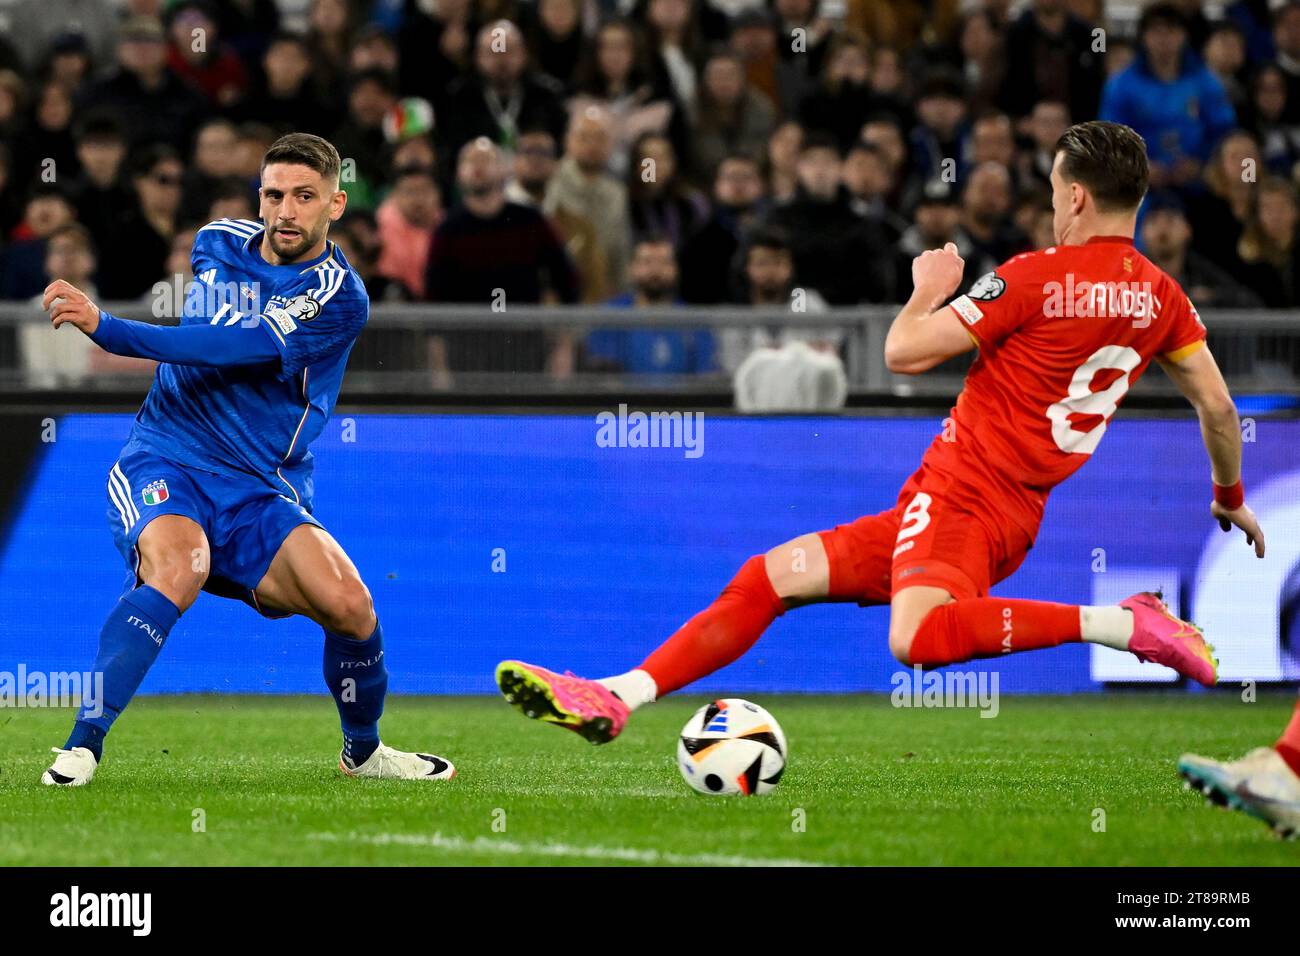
(487, 845)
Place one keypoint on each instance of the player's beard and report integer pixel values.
(291, 250)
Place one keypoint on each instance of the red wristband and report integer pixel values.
(1231, 497)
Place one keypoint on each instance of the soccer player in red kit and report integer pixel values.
(1062, 334)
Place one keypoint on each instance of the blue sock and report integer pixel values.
(358, 678)
(128, 645)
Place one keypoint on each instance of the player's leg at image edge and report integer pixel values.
(1265, 783)
(949, 632)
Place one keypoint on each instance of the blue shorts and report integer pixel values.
(245, 520)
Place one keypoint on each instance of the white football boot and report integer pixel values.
(389, 764)
(71, 768)
(1260, 784)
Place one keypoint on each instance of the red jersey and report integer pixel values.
(1063, 333)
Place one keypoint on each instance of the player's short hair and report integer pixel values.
(1110, 159)
(305, 149)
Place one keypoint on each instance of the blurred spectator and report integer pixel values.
(198, 55)
(502, 96)
(754, 39)
(1255, 21)
(11, 199)
(708, 257)
(1218, 213)
(936, 221)
(731, 117)
(68, 61)
(415, 150)
(936, 143)
(1166, 239)
(13, 100)
(1041, 228)
(46, 148)
(35, 24)
(771, 280)
(1050, 56)
(99, 194)
(137, 254)
(1268, 249)
(23, 272)
(374, 49)
(836, 251)
(615, 76)
(51, 360)
(231, 199)
(884, 133)
(253, 141)
(801, 64)
(282, 95)
(983, 59)
(1286, 38)
(660, 202)
(674, 36)
(535, 163)
(488, 248)
(492, 252)
(555, 37)
(406, 220)
(248, 26)
(361, 140)
(179, 268)
(992, 140)
(357, 237)
(782, 154)
(1047, 122)
(1279, 139)
(436, 42)
(844, 100)
(653, 274)
(869, 180)
(583, 187)
(1170, 98)
(903, 25)
(211, 164)
(1225, 55)
(330, 26)
(986, 210)
(147, 98)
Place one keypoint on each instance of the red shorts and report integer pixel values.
(942, 533)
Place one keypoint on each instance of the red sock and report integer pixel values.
(990, 627)
(720, 633)
(1289, 744)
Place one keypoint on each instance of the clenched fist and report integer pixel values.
(936, 274)
(66, 303)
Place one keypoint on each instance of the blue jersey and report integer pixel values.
(257, 420)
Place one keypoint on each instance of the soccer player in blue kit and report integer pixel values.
(213, 489)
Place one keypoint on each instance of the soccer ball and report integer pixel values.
(732, 747)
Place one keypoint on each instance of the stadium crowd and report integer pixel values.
(649, 152)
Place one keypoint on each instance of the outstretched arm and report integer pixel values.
(208, 345)
(1198, 377)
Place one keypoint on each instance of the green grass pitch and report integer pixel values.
(874, 784)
